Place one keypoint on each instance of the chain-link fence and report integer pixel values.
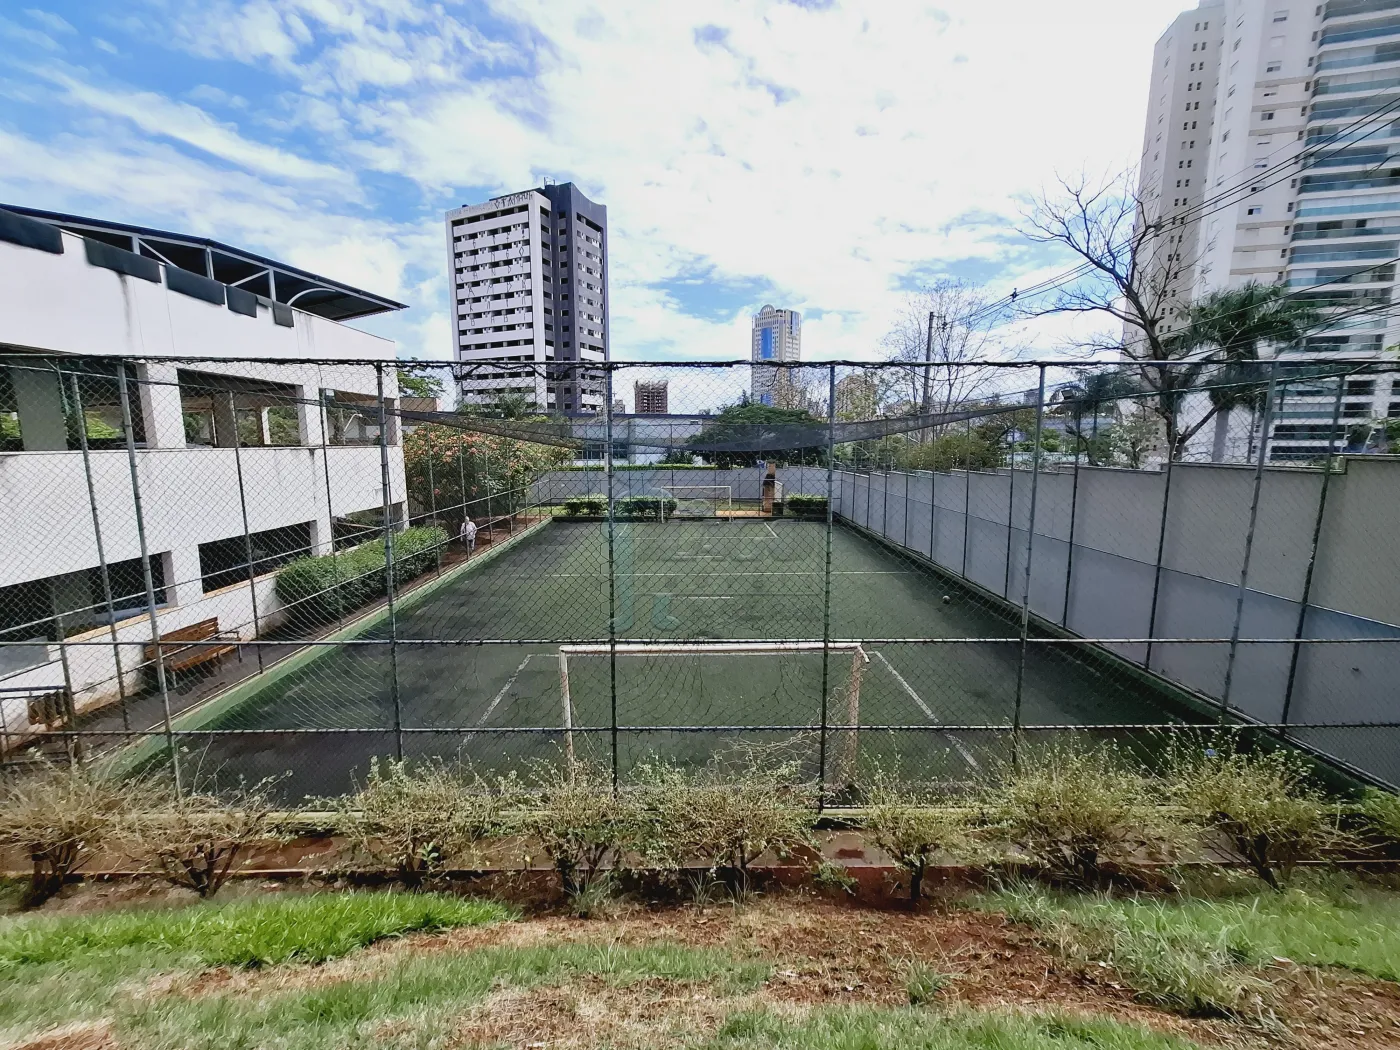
(262, 567)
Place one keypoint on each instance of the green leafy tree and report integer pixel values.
(746, 424)
(415, 384)
(446, 468)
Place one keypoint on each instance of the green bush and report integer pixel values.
(1071, 807)
(914, 825)
(325, 586)
(1381, 809)
(1261, 805)
(799, 506)
(586, 507)
(644, 508)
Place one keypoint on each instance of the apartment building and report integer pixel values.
(247, 444)
(777, 339)
(530, 294)
(650, 398)
(1294, 187)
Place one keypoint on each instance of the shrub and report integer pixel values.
(197, 838)
(586, 507)
(800, 506)
(724, 819)
(913, 825)
(1260, 804)
(1071, 807)
(578, 821)
(60, 816)
(325, 586)
(644, 508)
(923, 984)
(1382, 812)
(419, 819)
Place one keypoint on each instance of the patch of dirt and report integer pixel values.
(72, 1037)
(1328, 1009)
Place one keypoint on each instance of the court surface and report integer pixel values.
(680, 581)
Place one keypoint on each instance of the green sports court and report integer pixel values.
(719, 626)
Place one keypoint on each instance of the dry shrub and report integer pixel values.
(914, 824)
(723, 816)
(581, 825)
(1260, 804)
(197, 838)
(421, 819)
(60, 815)
(1073, 807)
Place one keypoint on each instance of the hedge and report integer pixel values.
(806, 506)
(646, 508)
(586, 507)
(326, 586)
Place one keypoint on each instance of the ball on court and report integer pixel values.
(947, 599)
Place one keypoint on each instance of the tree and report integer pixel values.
(961, 341)
(1229, 325)
(746, 427)
(1091, 394)
(1135, 436)
(414, 384)
(451, 471)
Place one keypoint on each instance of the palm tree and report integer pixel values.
(1229, 326)
(1088, 395)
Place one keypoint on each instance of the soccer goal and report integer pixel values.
(727, 686)
(701, 501)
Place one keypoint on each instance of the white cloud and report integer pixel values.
(50, 21)
(829, 155)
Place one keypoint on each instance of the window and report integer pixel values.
(1193, 125)
(1205, 25)
(1253, 211)
(1280, 16)
(1267, 116)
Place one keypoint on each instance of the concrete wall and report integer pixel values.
(1094, 571)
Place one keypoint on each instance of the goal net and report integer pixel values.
(728, 688)
(701, 501)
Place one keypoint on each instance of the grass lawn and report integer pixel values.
(1205, 953)
(324, 971)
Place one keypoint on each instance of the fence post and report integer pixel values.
(330, 508)
(904, 535)
(612, 572)
(932, 506)
(388, 512)
(243, 510)
(1161, 545)
(128, 429)
(1010, 512)
(1073, 512)
(1249, 538)
(967, 494)
(101, 550)
(1312, 553)
(1030, 546)
(826, 582)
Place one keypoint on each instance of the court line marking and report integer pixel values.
(770, 530)
(814, 572)
(904, 684)
(505, 689)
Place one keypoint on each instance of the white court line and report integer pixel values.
(770, 530)
(962, 750)
(504, 689)
(814, 572)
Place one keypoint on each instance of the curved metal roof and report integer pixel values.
(232, 266)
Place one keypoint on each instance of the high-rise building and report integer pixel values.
(777, 339)
(1289, 182)
(530, 292)
(650, 398)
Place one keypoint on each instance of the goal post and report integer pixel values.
(846, 746)
(709, 501)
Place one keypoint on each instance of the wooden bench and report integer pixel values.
(180, 654)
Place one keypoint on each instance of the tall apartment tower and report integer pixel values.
(1180, 112)
(650, 398)
(530, 291)
(1301, 186)
(777, 337)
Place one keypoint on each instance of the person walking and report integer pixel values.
(468, 536)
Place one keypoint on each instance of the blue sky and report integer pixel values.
(824, 156)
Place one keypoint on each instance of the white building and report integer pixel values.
(530, 288)
(777, 338)
(1298, 189)
(231, 455)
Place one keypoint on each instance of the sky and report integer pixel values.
(821, 155)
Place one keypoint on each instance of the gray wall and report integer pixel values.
(1101, 585)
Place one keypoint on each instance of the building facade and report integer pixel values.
(650, 398)
(240, 465)
(530, 297)
(1297, 187)
(777, 339)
